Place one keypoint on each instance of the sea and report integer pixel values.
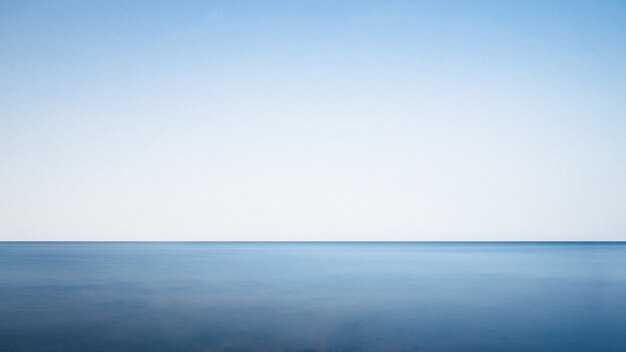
(313, 296)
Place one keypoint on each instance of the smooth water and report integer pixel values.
(313, 297)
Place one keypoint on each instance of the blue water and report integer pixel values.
(312, 297)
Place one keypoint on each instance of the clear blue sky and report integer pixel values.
(313, 120)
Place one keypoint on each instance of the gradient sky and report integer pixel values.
(312, 120)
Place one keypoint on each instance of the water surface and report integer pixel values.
(313, 297)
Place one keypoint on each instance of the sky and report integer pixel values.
(313, 120)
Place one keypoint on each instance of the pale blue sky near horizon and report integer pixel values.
(312, 120)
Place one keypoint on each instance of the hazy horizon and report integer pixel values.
(313, 120)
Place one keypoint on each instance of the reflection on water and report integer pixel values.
(312, 297)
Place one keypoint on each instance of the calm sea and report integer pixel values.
(313, 297)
